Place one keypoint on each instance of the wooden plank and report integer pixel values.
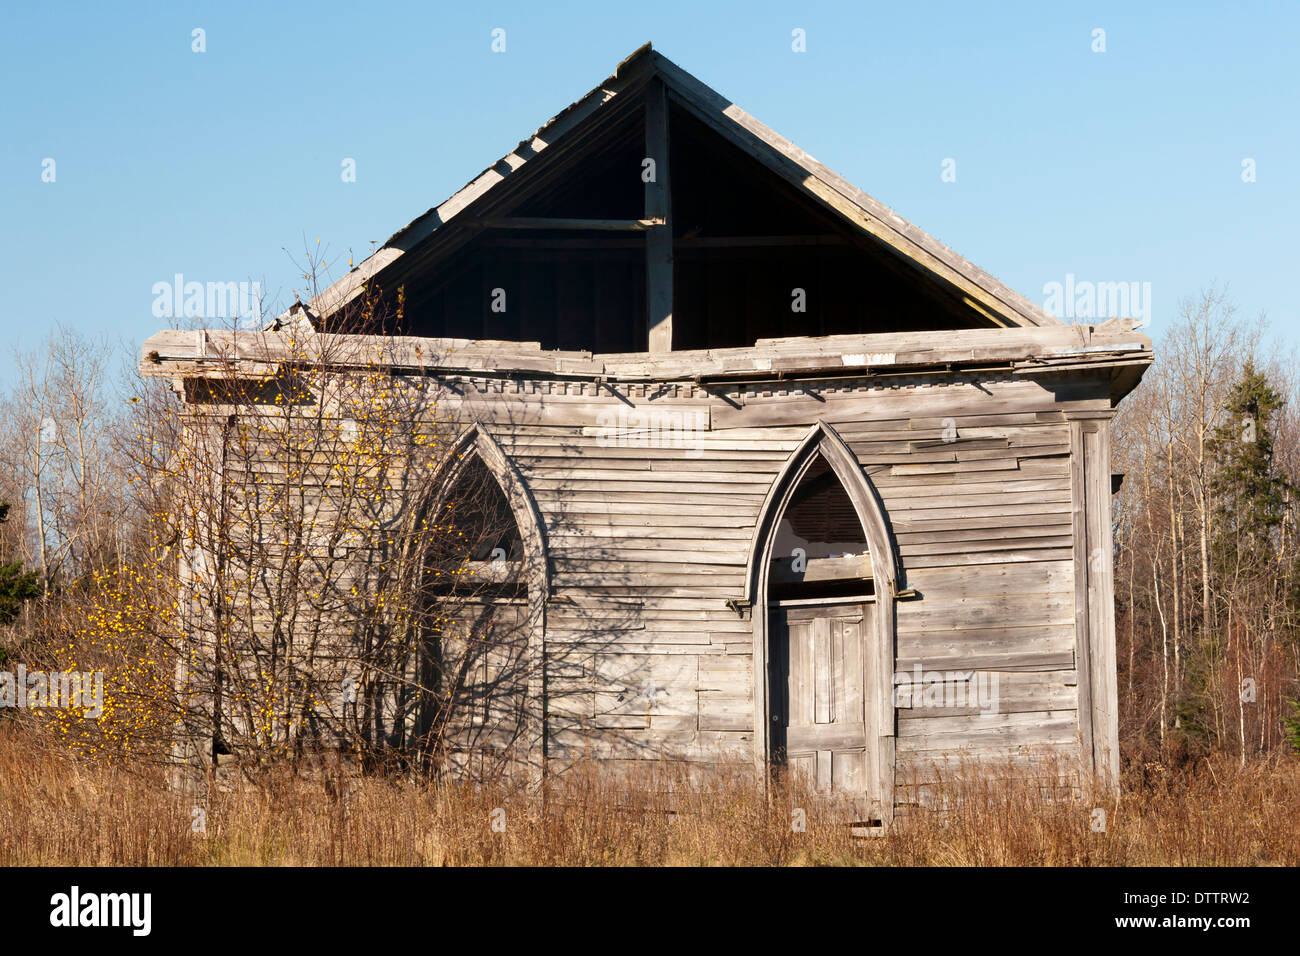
(986, 557)
(1040, 577)
(952, 399)
(577, 497)
(581, 601)
(738, 495)
(969, 485)
(654, 557)
(922, 770)
(1041, 467)
(854, 566)
(906, 518)
(563, 534)
(975, 424)
(578, 742)
(815, 354)
(822, 676)
(577, 462)
(1007, 692)
(1079, 517)
(1045, 529)
(688, 550)
(634, 574)
(986, 545)
(1002, 662)
(942, 613)
(629, 479)
(658, 205)
(656, 590)
(917, 643)
(717, 674)
(711, 446)
(946, 521)
(722, 712)
(880, 453)
(541, 222)
(563, 509)
(1101, 604)
(1029, 730)
(1036, 434)
(957, 497)
(599, 645)
(939, 467)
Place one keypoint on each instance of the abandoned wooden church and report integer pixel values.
(783, 477)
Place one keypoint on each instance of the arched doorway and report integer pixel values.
(485, 582)
(822, 580)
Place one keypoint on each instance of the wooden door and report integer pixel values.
(818, 707)
(483, 686)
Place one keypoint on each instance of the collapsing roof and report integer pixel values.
(790, 218)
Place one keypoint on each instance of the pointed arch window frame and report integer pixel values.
(476, 442)
(825, 441)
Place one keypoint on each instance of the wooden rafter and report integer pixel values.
(658, 206)
(590, 225)
(647, 69)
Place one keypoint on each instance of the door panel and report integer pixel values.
(817, 696)
(848, 771)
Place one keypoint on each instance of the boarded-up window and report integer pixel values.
(820, 548)
(820, 517)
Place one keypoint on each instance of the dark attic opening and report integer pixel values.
(820, 548)
(648, 230)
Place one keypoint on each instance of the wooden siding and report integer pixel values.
(647, 497)
(647, 542)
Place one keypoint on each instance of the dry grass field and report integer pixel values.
(57, 811)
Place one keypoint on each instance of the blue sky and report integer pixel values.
(1117, 166)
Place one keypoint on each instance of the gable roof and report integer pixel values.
(583, 119)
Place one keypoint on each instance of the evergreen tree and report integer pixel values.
(16, 586)
(1249, 489)
(1249, 494)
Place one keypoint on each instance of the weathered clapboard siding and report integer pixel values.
(649, 497)
(989, 734)
(646, 544)
(621, 520)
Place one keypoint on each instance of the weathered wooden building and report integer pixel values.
(791, 479)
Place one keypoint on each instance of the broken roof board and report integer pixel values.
(830, 190)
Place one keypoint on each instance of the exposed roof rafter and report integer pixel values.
(572, 128)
